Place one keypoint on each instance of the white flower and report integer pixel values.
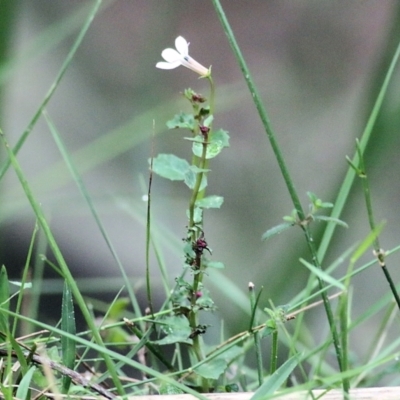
(174, 58)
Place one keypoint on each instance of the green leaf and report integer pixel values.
(270, 328)
(326, 204)
(118, 307)
(171, 167)
(322, 275)
(212, 369)
(191, 177)
(168, 388)
(197, 216)
(220, 136)
(68, 345)
(177, 329)
(208, 121)
(27, 285)
(330, 219)
(4, 299)
(210, 202)
(275, 381)
(232, 387)
(215, 264)
(182, 120)
(276, 230)
(216, 142)
(196, 169)
(313, 198)
(24, 387)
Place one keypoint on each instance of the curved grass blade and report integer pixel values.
(275, 381)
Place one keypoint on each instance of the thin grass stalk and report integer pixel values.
(148, 235)
(24, 279)
(257, 340)
(379, 253)
(285, 173)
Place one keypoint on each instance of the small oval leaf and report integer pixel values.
(171, 167)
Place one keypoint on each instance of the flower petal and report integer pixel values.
(182, 46)
(171, 55)
(168, 65)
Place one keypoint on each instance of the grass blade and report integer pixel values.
(275, 381)
(68, 346)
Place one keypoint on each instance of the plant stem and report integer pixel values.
(256, 334)
(379, 253)
(195, 234)
(274, 352)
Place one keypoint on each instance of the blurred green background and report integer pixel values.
(318, 66)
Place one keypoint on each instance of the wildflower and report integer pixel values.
(174, 58)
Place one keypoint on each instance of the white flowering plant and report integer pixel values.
(190, 297)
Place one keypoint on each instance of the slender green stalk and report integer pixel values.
(379, 253)
(148, 236)
(285, 173)
(24, 279)
(274, 352)
(257, 340)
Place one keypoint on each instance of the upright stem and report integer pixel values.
(195, 234)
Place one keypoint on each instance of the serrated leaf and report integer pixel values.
(275, 381)
(171, 167)
(330, 219)
(168, 388)
(221, 136)
(276, 230)
(210, 202)
(212, 369)
(182, 120)
(197, 215)
(322, 275)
